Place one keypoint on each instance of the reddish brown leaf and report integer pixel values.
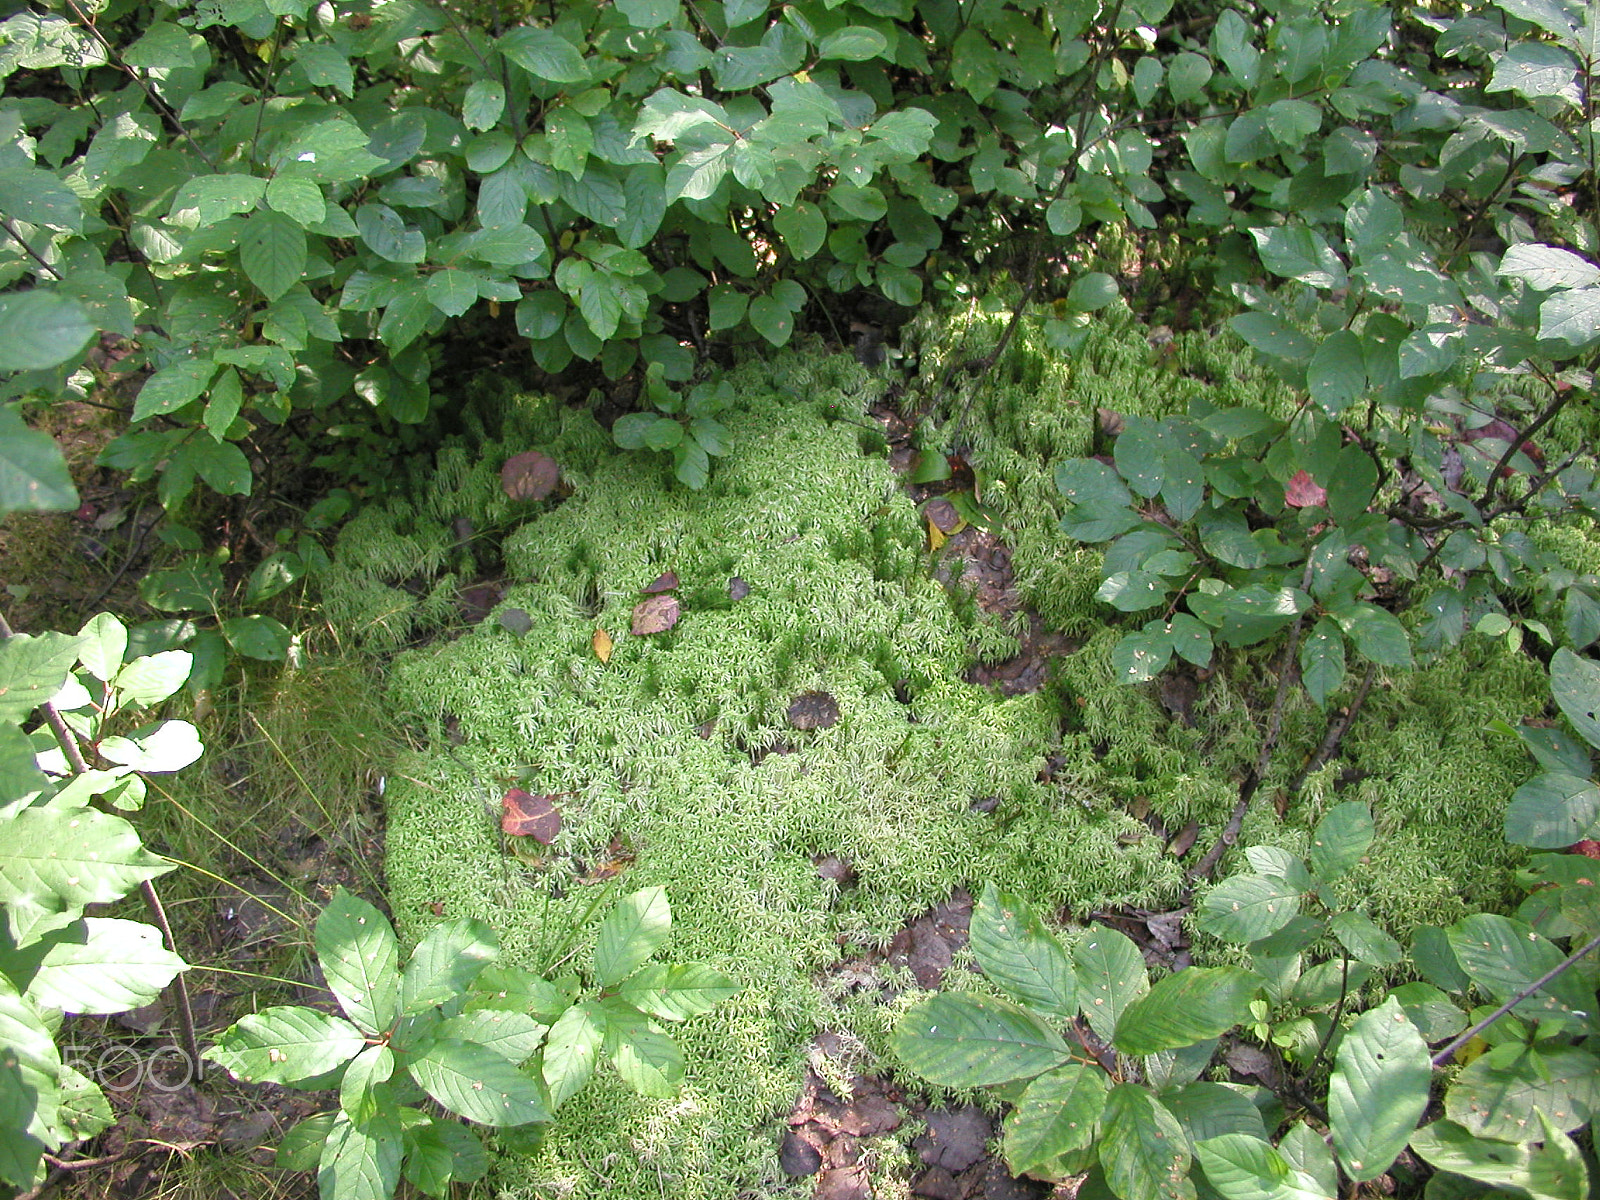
(813, 710)
(1303, 492)
(655, 615)
(529, 475)
(663, 582)
(527, 815)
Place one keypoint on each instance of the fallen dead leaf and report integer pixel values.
(655, 615)
(529, 475)
(936, 536)
(813, 710)
(738, 589)
(664, 582)
(601, 641)
(527, 815)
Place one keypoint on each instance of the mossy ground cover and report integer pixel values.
(679, 747)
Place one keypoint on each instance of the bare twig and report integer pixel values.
(1337, 727)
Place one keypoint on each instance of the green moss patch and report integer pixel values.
(680, 748)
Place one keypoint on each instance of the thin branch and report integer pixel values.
(1336, 731)
(16, 236)
(1559, 969)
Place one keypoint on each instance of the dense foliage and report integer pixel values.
(302, 219)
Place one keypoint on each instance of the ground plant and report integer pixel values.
(452, 1028)
(1333, 503)
(63, 847)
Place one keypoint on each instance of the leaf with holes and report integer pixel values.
(288, 1044)
(1111, 976)
(1019, 954)
(359, 956)
(1056, 1115)
(1379, 1090)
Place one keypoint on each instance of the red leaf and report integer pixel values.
(655, 615)
(1303, 492)
(527, 815)
(664, 582)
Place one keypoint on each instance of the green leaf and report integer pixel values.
(1187, 1007)
(1242, 1167)
(510, 1034)
(1019, 954)
(1554, 1172)
(1575, 684)
(361, 1162)
(58, 860)
(1187, 76)
(571, 1050)
(32, 670)
(1501, 1101)
(440, 1153)
(1055, 1115)
(1091, 292)
(1544, 268)
(649, 1061)
(445, 963)
(853, 43)
(483, 103)
(287, 1044)
(1533, 69)
(170, 388)
(331, 151)
(1503, 956)
(1379, 1090)
(1376, 633)
(959, 1040)
(257, 636)
(34, 195)
(358, 1096)
(648, 14)
(632, 932)
(1086, 481)
(1572, 317)
(1552, 811)
(301, 1147)
(33, 473)
(388, 236)
(19, 773)
(544, 54)
(359, 956)
(150, 678)
(1142, 1148)
(644, 203)
(1272, 337)
(771, 319)
(216, 197)
(1111, 976)
(676, 992)
(1247, 908)
(1341, 839)
(325, 66)
(103, 966)
(1358, 934)
(475, 1082)
(452, 292)
(1322, 663)
(974, 66)
(1298, 252)
(711, 435)
(1337, 374)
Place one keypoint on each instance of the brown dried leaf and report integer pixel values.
(527, 815)
(602, 643)
(1303, 492)
(664, 582)
(738, 589)
(655, 615)
(529, 475)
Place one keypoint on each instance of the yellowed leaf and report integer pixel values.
(936, 536)
(602, 645)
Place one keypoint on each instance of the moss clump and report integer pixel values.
(680, 748)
